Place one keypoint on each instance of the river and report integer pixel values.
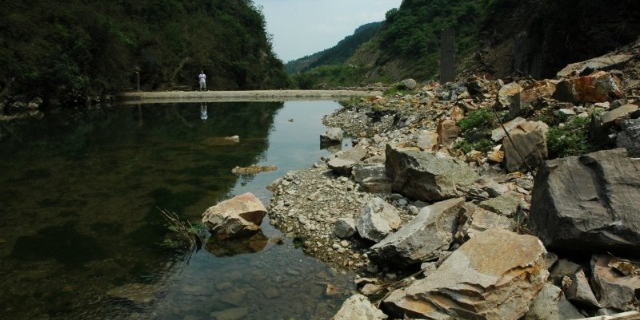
(81, 227)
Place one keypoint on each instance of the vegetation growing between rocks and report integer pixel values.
(183, 235)
(570, 138)
(476, 129)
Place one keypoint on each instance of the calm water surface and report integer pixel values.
(81, 229)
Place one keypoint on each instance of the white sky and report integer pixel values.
(303, 27)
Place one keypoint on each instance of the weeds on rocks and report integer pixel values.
(184, 235)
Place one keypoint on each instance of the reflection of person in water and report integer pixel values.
(203, 111)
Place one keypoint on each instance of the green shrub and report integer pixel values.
(478, 119)
(482, 145)
(571, 139)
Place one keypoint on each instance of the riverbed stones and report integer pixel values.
(235, 217)
(422, 238)
(426, 176)
(378, 220)
(588, 203)
(358, 307)
(135, 292)
(494, 276)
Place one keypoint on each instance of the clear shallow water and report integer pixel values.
(80, 201)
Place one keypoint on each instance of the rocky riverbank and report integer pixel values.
(448, 206)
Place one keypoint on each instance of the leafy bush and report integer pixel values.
(478, 119)
(482, 145)
(570, 139)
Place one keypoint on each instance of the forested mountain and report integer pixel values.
(65, 50)
(494, 37)
(337, 54)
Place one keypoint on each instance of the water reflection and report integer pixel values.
(81, 232)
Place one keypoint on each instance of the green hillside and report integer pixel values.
(337, 54)
(64, 51)
(497, 38)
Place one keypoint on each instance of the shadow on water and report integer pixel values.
(81, 227)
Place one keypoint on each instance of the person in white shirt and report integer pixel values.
(203, 81)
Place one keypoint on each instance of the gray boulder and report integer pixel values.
(588, 203)
(372, 177)
(422, 238)
(551, 304)
(604, 127)
(344, 228)
(577, 289)
(427, 176)
(629, 137)
(378, 220)
(343, 162)
(494, 276)
(331, 136)
(408, 84)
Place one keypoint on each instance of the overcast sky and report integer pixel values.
(303, 27)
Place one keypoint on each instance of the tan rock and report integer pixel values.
(357, 307)
(495, 275)
(448, 131)
(234, 217)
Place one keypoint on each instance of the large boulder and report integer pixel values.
(428, 234)
(599, 63)
(427, 176)
(599, 86)
(378, 220)
(235, 217)
(588, 203)
(494, 276)
(358, 307)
